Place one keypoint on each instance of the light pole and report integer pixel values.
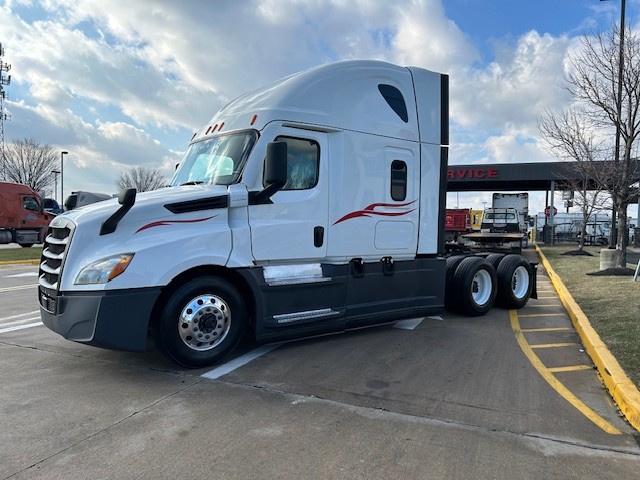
(613, 237)
(55, 184)
(62, 154)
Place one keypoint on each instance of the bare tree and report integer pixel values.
(568, 135)
(141, 178)
(30, 163)
(593, 80)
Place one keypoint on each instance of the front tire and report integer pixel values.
(201, 322)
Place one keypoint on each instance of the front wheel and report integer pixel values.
(201, 323)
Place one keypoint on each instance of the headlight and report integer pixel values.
(104, 270)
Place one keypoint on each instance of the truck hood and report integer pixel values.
(191, 220)
(149, 206)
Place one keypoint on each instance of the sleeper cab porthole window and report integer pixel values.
(398, 180)
(394, 98)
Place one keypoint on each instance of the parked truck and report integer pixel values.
(517, 201)
(457, 221)
(81, 198)
(311, 206)
(504, 226)
(501, 220)
(23, 219)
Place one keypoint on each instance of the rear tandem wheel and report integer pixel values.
(473, 287)
(514, 281)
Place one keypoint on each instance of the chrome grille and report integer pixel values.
(52, 260)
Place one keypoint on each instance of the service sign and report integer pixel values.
(454, 173)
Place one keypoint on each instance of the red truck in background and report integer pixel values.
(22, 217)
(457, 221)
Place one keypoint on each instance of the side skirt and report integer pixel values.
(310, 300)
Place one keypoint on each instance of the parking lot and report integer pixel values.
(510, 394)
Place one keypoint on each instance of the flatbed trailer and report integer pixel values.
(495, 242)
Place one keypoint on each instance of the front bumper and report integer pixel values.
(116, 319)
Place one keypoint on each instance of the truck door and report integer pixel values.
(293, 228)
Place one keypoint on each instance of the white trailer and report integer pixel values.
(313, 205)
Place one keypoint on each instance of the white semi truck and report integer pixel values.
(311, 206)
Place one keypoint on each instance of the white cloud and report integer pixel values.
(425, 37)
(515, 89)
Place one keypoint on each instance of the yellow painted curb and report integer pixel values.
(622, 390)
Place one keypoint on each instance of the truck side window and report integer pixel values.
(303, 163)
(398, 180)
(30, 203)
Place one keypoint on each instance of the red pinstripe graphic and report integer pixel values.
(161, 223)
(370, 211)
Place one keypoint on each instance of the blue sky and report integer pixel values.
(119, 83)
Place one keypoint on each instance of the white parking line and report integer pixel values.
(20, 327)
(21, 287)
(18, 322)
(26, 274)
(19, 315)
(408, 324)
(240, 361)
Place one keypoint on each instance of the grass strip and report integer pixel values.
(20, 254)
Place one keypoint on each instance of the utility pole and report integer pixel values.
(4, 82)
(613, 238)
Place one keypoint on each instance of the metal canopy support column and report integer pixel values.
(551, 212)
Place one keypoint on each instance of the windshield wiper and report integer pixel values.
(193, 182)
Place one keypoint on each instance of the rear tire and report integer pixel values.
(26, 245)
(514, 282)
(474, 287)
(449, 291)
(494, 259)
(201, 322)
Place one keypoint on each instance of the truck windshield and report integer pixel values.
(215, 161)
(500, 216)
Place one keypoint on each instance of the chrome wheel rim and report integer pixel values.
(204, 322)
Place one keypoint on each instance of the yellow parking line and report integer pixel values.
(545, 305)
(554, 345)
(547, 329)
(553, 381)
(572, 368)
